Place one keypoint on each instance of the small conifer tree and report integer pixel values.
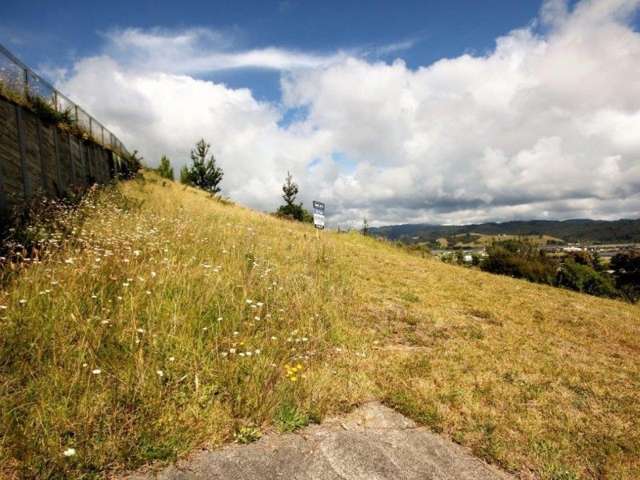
(203, 172)
(289, 190)
(290, 208)
(165, 170)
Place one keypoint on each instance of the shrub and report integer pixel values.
(626, 267)
(520, 260)
(584, 278)
(129, 167)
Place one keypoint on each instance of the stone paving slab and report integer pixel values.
(371, 443)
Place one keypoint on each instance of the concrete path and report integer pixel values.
(372, 443)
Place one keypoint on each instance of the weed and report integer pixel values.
(409, 297)
(289, 418)
(246, 435)
(48, 113)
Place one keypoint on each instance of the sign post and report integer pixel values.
(318, 214)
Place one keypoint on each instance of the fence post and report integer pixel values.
(87, 165)
(73, 167)
(4, 201)
(26, 84)
(43, 168)
(26, 181)
(62, 188)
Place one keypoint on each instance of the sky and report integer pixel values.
(401, 112)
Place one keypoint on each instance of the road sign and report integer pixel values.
(318, 214)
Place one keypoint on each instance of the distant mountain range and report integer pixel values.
(579, 230)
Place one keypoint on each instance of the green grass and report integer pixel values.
(289, 418)
(538, 380)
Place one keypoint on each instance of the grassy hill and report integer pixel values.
(164, 320)
(578, 230)
(477, 240)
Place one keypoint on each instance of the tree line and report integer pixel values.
(204, 173)
(581, 271)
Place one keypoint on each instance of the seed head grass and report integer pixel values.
(157, 319)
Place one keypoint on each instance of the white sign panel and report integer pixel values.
(318, 214)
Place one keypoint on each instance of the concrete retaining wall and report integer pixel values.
(42, 160)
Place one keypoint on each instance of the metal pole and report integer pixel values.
(73, 167)
(56, 143)
(26, 179)
(26, 84)
(43, 166)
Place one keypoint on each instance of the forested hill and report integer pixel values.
(580, 230)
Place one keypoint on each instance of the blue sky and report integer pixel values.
(402, 112)
(57, 33)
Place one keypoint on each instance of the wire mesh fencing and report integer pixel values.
(21, 84)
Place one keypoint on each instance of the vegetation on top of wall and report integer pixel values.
(39, 106)
(48, 114)
(10, 93)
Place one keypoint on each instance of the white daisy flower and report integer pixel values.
(69, 452)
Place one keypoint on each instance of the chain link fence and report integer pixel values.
(18, 82)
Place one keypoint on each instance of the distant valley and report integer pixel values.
(569, 231)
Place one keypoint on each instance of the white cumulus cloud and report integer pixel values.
(543, 126)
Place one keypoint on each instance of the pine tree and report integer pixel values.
(290, 208)
(165, 170)
(203, 172)
(290, 190)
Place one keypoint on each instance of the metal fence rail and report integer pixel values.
(22, 84)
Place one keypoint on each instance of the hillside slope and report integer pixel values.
(578, 230)
(168, 320)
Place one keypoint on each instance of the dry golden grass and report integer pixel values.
(541, 381)
(483, 240)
